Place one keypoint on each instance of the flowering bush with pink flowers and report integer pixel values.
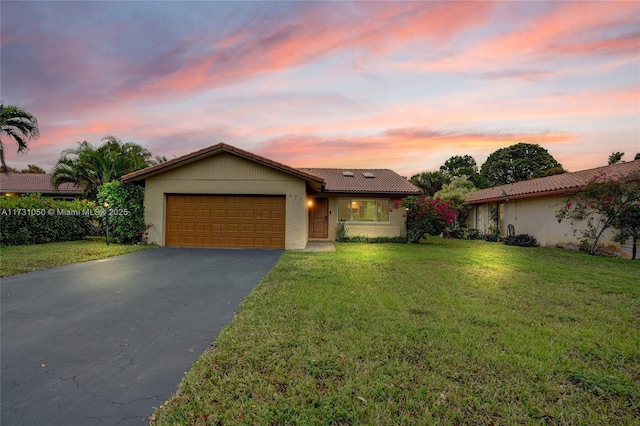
(603, 203)
(425, 216)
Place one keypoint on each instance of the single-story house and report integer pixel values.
(223, 196)
(19, 184)
(531, 206)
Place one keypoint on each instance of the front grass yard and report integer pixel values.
(449, 332)
(20, 259)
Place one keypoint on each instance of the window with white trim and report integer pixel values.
(363, 210)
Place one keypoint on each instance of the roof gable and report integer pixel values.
(140, 175)
(551, 185)
(33, 183)
(367, 181)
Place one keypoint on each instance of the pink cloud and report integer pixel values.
(397, 148)
(571, 28)
(368, 28)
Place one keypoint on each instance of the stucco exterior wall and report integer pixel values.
(537, 217)
(232, 175)
(395, 228)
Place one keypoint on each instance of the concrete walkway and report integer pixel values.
(319, 246)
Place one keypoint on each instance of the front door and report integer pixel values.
(319, 218)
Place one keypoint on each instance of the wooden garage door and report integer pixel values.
(225, 221)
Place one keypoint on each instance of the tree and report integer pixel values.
(5, 170)
(465, 165)
(429, 182)
(32, 168)
(456, 192)
(89, 167)
(637, 157)
(604, 203)
(425, 216)
(460, 166)
(615, 157)
(19, 125)
(519, 162)
(629, 227)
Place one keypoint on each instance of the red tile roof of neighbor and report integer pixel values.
(380, 181)
(551, 185)
(33, 183)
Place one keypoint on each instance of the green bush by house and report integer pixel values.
(126, 211)
(36, 220)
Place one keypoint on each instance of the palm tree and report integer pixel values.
(19, 125)
(615, 157)
(89, 167)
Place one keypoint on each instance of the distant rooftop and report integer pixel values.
(550, 185)
(24, 183)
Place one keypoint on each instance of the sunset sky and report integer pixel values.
(400, 85)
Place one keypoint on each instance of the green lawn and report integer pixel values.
(449, 332)
(20, 259)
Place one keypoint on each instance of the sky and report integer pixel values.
(399, 85)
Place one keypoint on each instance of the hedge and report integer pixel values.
(35, 220)
(126, 211)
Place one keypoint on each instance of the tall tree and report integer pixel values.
(466, 165)
(429, 182)
(16, 124)
(615, 157)
(89, 167)
(458, 165)
(519, 162)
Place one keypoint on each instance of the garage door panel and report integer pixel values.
(225, 221)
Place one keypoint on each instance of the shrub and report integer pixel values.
(426, 216)
(36, 220)
(363, 239)
(490, 237)
(606, 201)
(462, 231)
(341, 232)
(126, 211)
(521, 240)
(474, 234)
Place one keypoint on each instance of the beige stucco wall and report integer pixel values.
(395, 228)
(537, 217)
(228, 174)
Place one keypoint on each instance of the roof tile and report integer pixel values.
(556, 184)
(33, 183)
(385, 181)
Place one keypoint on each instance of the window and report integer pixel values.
(363, 210)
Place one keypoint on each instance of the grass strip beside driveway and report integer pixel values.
(449, 332)
(20, 259)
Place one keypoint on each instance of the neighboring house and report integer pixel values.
(19, 184)
(222, 196)
(531, 206)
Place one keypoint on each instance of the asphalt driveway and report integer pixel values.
(104, 342)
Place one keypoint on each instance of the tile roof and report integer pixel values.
(385, 181)
(550, 185)
(33, 183)
(208, 152)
